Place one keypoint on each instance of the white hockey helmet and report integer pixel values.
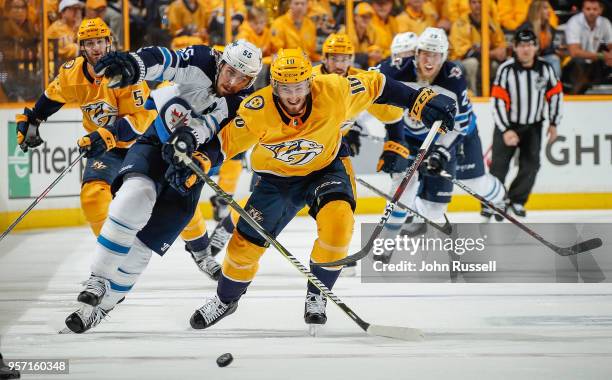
(244, 57)
(433, 40)
(402, 43)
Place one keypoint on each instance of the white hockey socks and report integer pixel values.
(128, 213)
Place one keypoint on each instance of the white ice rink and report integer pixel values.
(473, 331)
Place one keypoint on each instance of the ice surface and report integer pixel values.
(473, 331)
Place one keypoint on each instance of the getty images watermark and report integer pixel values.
(384, 248)
(494, 252)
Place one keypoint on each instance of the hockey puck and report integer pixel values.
(225, 360)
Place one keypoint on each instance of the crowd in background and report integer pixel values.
(575, 37)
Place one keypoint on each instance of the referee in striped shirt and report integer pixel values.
(524, 88)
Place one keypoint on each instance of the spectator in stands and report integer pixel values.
(440, 7)
(512, 13)
(589, 42)
(216, 24)
(64, 30)
(466, 45)
(294, 29)
(320, 13)
(186, 37)
(192, 15)
(417, 16)
(538, 20)
(455, 9)
(112, 17)
(18, 52)
(385, 24)
(365, 37)
(256, 31)
(95, 9)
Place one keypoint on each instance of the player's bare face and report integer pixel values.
(95, 48)
(338, 63)
(293, 96)
(429, 64)
(231, 81)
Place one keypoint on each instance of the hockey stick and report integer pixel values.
(446, 229)
(389, 209)
(397, 332)
(42, 195)
(562, 251)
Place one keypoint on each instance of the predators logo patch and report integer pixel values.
(100, 113)
(256, 103)
(98, 165)
(295, 152)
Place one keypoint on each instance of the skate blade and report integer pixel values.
(314, 330)
(65, 330)
(348, 272)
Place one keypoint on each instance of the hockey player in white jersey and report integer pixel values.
(147, 213)
(459, 152)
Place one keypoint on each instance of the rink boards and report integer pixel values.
(574, 174)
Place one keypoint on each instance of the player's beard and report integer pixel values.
(294, 106)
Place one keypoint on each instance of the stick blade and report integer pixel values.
(584, 246)
(347, 260)
(397, 332)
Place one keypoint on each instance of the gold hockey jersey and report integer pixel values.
(296, 146)
(101, 106)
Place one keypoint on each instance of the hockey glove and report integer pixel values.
(97, 142)
(122, 68)
(183, 137)
(437, 160)
(394, 158)
(183, 179)
(353, 140)
(27, 130)
(430, 107)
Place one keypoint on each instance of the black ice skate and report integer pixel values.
(6, 372)
(314, 312)
(487, 212)
(211, 312)
(518, 209)
(95, 289)
(220, 235)
(205, 262)
(219, 206)
(85, 318)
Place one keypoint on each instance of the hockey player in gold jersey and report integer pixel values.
(113, 118)
(295, 127)
(338, 58)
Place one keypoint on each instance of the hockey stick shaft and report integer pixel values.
(447, 228)
(562, 251)
(391, 331)
(42, 195)
(391, 205)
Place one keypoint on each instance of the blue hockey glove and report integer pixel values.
(184, 137)
(437, 160)
(121, 68)
(183, 179)
(394, 158)
(27, 130)
(353, 140)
